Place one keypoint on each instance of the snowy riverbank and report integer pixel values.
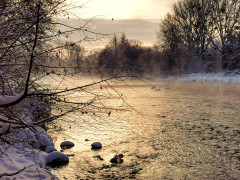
(21, 157)
(25, 149)
(233, 76)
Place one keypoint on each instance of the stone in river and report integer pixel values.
(96, 145)
(117, 158)
(66, 144)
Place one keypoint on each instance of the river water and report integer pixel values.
(165, 129)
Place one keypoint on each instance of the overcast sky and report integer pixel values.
(138, 19)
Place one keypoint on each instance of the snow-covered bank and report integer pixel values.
(21, 157)
(233, 76)
(25, 150)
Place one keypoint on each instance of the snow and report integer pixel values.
(4, 100)
(233, 76)
(56, 157)
(50, 149)
(23, 159)
(4, 127)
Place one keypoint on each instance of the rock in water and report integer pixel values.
(66, 144)
(120, 155)
(96, 145)
(57, 159)
(117, 158)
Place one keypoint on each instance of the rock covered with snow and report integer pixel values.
(50, 149)
(28, 138)
(57, 158)
(96, 145)
(43, 138)
(23, 164)
(66, 144)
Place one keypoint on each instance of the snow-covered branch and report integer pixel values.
(6, 101)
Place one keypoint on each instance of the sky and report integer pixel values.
(124, 9)
(138, 19)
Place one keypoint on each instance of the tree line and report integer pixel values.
(121, 56)
(197, 36)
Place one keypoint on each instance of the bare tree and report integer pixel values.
(225, 17)
(202, 26)
(29, 50)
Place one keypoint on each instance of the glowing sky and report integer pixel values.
(138, 19)
(124, 9)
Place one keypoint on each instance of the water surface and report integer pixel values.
(166, 130)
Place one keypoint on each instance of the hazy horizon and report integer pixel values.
(138, 19)
(143, 30)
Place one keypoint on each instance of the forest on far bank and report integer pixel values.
(197, 36)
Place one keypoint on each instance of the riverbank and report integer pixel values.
(22, 147)
(227, 76)
(21, 155)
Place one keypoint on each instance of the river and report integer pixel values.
(164, 129)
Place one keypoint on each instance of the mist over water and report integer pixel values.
(165, 129)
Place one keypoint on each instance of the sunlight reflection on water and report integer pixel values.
(181, 130)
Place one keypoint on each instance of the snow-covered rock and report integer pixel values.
(23, 159)
(57, 158)
(50, 149)
(23, 164)
(43, 138)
